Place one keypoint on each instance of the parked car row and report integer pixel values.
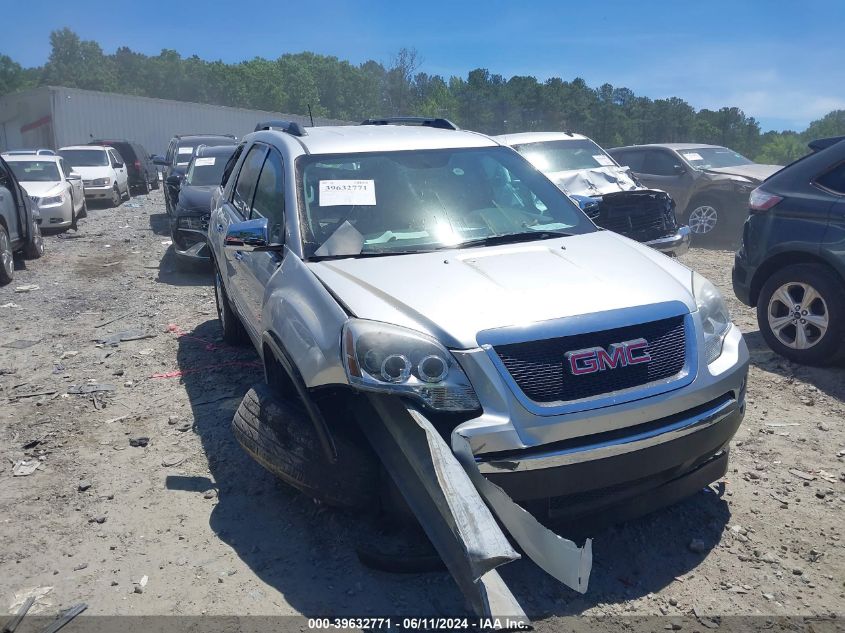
(20, 230)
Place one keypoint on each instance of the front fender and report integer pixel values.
(306, 320)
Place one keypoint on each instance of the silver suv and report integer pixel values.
(437, 267)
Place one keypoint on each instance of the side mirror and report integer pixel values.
(249, 236)
(174, 180)
(679, 170)
(118, 165)
(158, 160)
(73, 176)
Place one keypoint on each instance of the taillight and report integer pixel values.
(761, 200)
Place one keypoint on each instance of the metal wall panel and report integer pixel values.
(80, 116)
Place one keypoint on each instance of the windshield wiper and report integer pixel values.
(513, 238)
(320, 258)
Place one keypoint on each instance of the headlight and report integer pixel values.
(195, 222)
(392, 359)
(45, 202)
(715, 318)
(101, 182)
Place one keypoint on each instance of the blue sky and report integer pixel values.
(781, 61)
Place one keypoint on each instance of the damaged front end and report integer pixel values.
(645, 215)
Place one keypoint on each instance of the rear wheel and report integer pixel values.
(801, 314)
(230, 323)
(7, 259)
(279, 435)
(35, 246)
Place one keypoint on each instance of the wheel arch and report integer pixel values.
(281, 372)
(782, 260)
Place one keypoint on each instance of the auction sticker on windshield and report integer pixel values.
(185, 150)
(344, 192)
(207, 160)
(603, 160)
(693, 156)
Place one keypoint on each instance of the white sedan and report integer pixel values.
(56, 190)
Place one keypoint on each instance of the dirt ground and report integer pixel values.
(189, 525)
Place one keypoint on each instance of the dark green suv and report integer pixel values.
(791, 264)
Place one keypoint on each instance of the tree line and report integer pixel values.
(482, 101)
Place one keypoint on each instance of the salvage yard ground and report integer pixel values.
(142, 503)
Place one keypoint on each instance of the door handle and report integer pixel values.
(239, 256)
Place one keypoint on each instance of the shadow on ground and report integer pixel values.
(830, 380)
(307, 552)
(175, 272)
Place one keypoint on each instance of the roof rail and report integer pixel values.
(443, 124)
(291, 127)
(823, 143)
(204, 134)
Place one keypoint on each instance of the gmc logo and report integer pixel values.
(595, 359)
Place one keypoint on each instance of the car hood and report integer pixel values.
(594, 182)
(41, 189)
(455, 294)
(90, 173)
(195, 199)
(755, 172)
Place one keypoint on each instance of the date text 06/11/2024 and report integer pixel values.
(419, 624)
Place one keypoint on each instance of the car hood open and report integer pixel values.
(594, 182)
(755, 172)
(455, 294)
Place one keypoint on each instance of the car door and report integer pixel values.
(237, 208)
(8, 205)
(257, 267)
(832, 182)
(119, 167)
(663, 169)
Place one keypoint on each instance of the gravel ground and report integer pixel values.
(188, 525)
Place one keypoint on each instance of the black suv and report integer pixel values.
(180, 151)
(791, 264)
(142, 173)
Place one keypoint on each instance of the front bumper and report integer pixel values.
(56, 216)
(190, 243)
(584, 459)
(98, 193)
(674, 245)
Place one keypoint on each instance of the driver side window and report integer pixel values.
(660, 163)
(245, 186)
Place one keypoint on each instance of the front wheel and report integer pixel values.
(7, 258)
(705, 219)
(83, 212)
(801, 314)
(116, 198)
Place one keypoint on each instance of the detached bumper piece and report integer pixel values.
(448, 497)
(189, 236)
(646, 216)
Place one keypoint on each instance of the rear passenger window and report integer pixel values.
(230, 165)
(248, 176)
(834, 180)
(269, 199)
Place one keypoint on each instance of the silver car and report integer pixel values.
(440, 268)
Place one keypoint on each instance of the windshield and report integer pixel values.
(424, 200)
(206, 170)
(34, 170)
(710, 157)
(553, 156)
(85, 157)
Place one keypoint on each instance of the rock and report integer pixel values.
(80, 567)
(139, 441)
(802, 474)
(128, 383)
(185, 426)
(820, 494)
(797, 571)
(100, 518)
(769, 557)
(673, 602)
(114, 583)
(173, 419)
(210, 494)
(138, 589)
(173, 459)
(698, 546)
(84, 485)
